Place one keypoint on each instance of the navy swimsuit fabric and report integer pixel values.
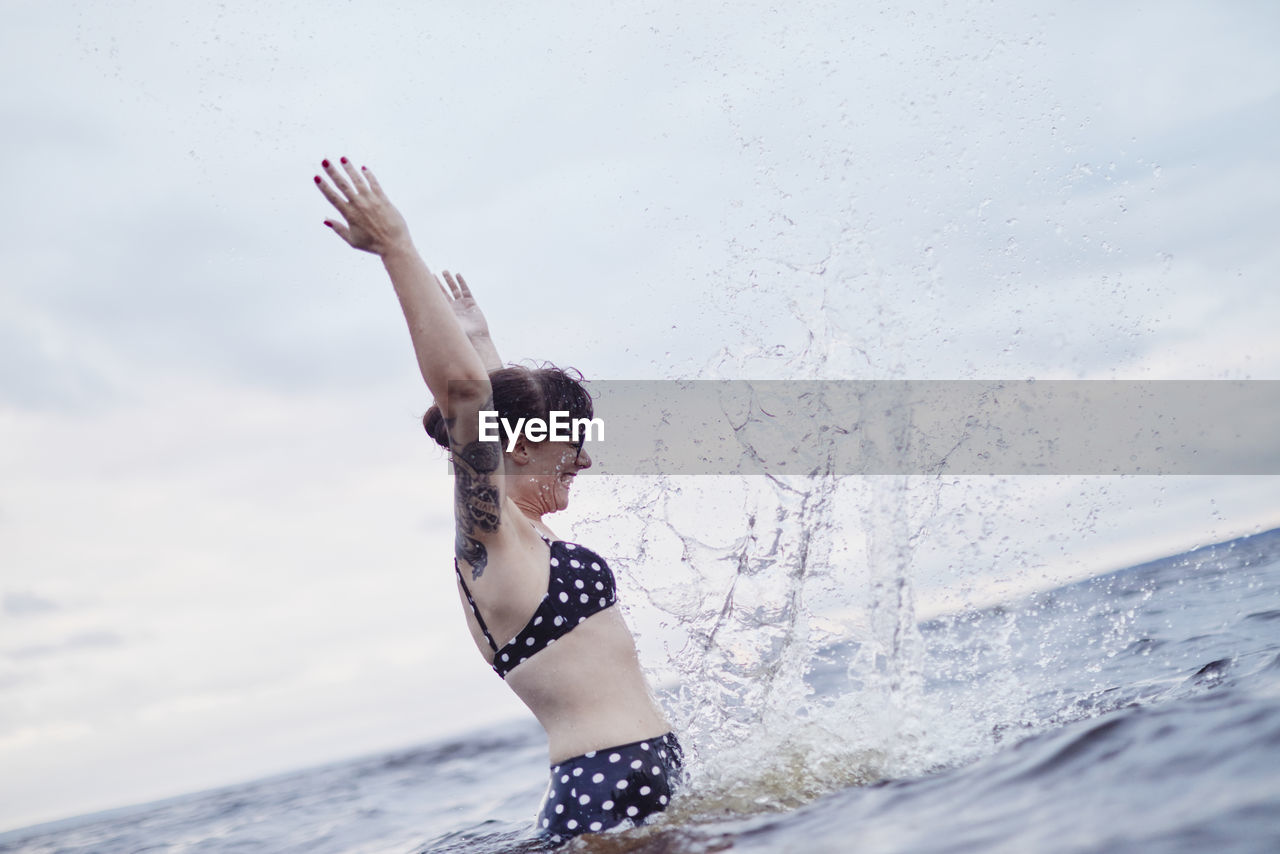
(604, 788)
(580, 584)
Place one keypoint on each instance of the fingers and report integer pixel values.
(342, 197)
(340, 229)
(462, 286)
(339, 181)
(373, 182)
(356, 181)
(453, 285)
(332, 195)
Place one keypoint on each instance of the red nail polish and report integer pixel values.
(317, 179)
(326, 222)
(324, 163)
(364, 168)
(344, 160)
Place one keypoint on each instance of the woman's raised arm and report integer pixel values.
(453, 370)
(371, 223)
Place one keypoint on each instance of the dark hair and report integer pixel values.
(520, 392)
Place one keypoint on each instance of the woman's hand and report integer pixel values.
(370, 221)
(470, 318)
(464, 306)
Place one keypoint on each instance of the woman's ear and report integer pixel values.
(520, 453)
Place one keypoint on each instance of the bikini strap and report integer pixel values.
(474, 609)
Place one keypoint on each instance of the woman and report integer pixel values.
(541, 610)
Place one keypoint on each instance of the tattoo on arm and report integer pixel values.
(477, 500)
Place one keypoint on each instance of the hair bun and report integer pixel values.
(433, 423)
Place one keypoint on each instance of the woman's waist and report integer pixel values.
(564, 746)
(580, 715)
(588, 701)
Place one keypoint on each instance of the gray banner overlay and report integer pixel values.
(929, 427)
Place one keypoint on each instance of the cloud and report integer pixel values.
(99, 639)
(37, 373)
(22, 603)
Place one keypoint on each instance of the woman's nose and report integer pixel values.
(583, 460)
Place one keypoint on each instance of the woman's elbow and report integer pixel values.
(466, 395)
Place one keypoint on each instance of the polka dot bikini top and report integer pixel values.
(580, 584)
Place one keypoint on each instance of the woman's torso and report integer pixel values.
(586, 689)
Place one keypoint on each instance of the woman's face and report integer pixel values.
(545, 477)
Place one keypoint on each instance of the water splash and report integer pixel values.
(789, 641)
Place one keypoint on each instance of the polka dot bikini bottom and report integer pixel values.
(604, 788)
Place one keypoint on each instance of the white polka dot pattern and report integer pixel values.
(620, 786)
(560, 610)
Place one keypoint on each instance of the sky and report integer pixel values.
(224, 540)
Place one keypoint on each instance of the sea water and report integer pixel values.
(1134, 711)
